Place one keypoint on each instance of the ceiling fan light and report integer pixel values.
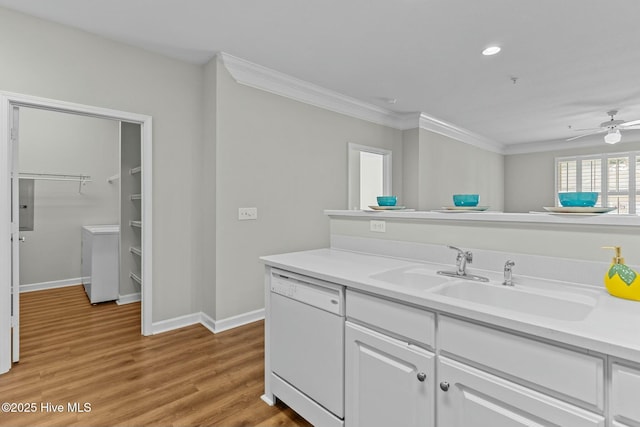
(491, 50)
(613, 136)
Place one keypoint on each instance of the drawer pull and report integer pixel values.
(444, 386)
(421, 376)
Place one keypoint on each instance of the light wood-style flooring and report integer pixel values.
(72, 352)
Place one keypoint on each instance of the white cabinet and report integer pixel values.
(100, 266)
(468, 397)
(388, 382)
(625, 395)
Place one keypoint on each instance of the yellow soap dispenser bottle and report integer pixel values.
(621, 281)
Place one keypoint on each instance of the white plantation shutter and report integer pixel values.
(616, 176)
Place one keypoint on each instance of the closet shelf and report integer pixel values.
(135, 250)
(135, 224)
(135, 170)
(135, 277)
(136, 197)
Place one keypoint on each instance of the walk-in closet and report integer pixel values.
(80, 205)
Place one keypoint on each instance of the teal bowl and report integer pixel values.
(387, 200)
(578, 199)
(466, 199)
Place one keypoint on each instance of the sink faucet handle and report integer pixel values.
(508, 274)
(467, 255)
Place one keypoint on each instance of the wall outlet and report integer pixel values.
(247, 213)
(378, 226)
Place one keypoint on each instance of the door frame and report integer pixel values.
(10, 100)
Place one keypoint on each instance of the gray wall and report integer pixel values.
(53, 61)
(289, 160)
(530, 178)
(436, 167)
(59, 143)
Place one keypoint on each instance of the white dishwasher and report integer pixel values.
(307, 338)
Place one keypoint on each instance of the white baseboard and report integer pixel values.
(215, 326)
(129, 298)
(235, 321)
(50, 285)
(175, 323)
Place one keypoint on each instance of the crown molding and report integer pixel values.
(554, 145)
(257, 76)
(460, 134)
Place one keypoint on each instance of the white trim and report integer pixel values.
(208, 322)
(129, 298)
(458, 133)
(215, 326)
(557, 145)
(235, 321)
(175, 323)
(32, 287)
(9, 100)
(257, 76)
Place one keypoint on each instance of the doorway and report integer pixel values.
(10, 105)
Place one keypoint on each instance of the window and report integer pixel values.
(369, 175)
(616, 176)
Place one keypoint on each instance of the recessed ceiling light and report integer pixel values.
(491, 50)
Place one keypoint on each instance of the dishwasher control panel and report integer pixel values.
(326, 296)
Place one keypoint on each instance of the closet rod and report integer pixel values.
(82, 179)
(56, 177)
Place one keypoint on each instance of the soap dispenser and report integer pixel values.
(621, 281)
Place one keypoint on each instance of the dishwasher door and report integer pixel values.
(307, 346)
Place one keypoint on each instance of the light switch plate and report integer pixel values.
(247, 213)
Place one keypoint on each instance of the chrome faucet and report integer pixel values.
(508, 273)
(462, 259)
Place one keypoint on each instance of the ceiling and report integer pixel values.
(572, 60)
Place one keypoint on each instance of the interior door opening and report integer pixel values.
(130, 130)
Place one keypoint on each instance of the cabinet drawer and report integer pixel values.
(576, 375)
(413, 323)
(625, 392)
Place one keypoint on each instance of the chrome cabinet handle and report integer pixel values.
(421, 376)
(444, 386)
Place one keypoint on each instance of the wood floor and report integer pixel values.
(72, 352)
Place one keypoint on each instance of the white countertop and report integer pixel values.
(102, 229)
(492, 216)
(613, 327)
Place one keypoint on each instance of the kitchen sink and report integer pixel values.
(417, 278)
(561, 305)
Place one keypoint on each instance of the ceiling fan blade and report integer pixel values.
(587, 129)
(631, 127)
(587, 134)
(631, 123)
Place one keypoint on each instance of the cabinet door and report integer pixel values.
(625, 395)
(468, 397)
(388, 382)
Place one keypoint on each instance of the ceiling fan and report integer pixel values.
(611, 127)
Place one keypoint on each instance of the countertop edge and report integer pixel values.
(528, 324)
